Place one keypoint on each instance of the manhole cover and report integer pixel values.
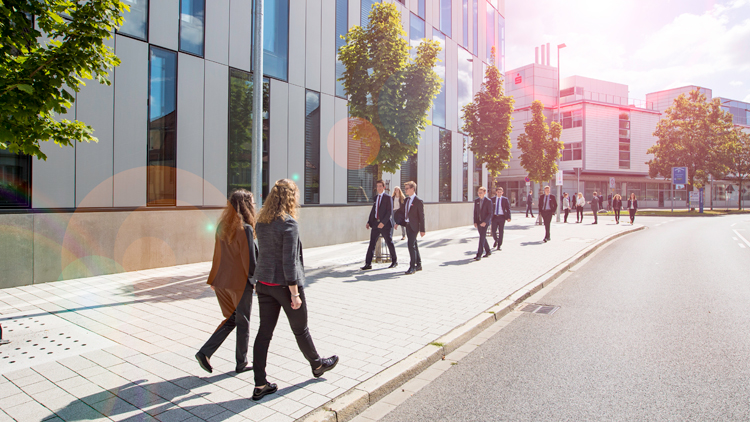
(535, 308)
(38, 337)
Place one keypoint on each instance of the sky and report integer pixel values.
(650, 45)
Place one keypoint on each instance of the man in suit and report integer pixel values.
(529, 201)
(547, 208)
(381, 223)
(595, 207)
(414, 212)
(482, 221)
(501, 214)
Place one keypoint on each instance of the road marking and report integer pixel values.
(735, 239)
(733, 224)
(743, 239)
(741, 245)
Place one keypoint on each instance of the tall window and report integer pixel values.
(465, 82)
(409, 170)
(361, 175)
(477, 176)
(192, 17)
(490, 34)
(446, 16)
(241, 129)
(162, 127)
(342, 27)
(438, 105)
(445, 166)
(624, 143)
(276, 39)
(465, 161)
(135, 22)
(421, 8)
(500, 43)
(475, 21)
(15, 178)
(416, 33)
(572, 151)
(312, 147)
(365, 11)
(465, 26)
(573, 118)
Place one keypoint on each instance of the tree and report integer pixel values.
(696, 134)
(388, 90)
(36, 78)
(540, 145)
(739, 166)
(487, 120)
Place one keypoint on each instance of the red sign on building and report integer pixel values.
(518, 79)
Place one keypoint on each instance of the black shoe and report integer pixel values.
(499, 249)
(544, 240)
(204, 362)
(243, 369)
(259, 393)
(393, 265)
(494, 245)
(410, 271)
(327, 365)
(487, 255)
(478, 258)
(593, 223)
(366, 267)
(419, 268)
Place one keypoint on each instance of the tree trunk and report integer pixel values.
(739, 195)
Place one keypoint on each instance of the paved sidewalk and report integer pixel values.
(120, 347)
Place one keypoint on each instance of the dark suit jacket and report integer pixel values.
(416, 215)
(529, 199)
(552, 203)
(505, 204)
(280, 253)
(234, 264)
(617, 204)
(483, 215)
(635, 205)
(384, 212)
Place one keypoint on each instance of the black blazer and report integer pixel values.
(635, 204)
(552, 203)
(416, 215)
(384, 212)
(279, 253)
(617, 204)
(505, 204)
(483, 215)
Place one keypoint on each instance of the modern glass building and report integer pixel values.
(174, 135)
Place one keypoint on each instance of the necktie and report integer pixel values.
(377, 207)
(408, 206)
(546, 202)
(497, 205)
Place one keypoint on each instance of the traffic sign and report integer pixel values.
(528, 183)
(526, 179)
(559, 181)
(694, 199)
(611, 182)
(679, 175)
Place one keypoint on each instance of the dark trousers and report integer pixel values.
(387, 233)
(498, 229)
(271, 299)
(529, 209)
(415, 260)
(617, 215)
(567, 211)
(579, 213)
(596, 216)
(483, 244)
(547, 217)
(239, 318)
(632, 215)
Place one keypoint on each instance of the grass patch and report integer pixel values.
(677, 213)
(437, 343)
(454, 363)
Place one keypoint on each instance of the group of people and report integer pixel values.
(579, 203)
(260, 253)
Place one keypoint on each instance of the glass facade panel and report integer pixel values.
(465, 26)
(446, 16)
(416, 33)
(490, 35)
(476, 176)
(421, 8)
(445, 166)
(361, 175)
(15, 178)
(475, 21)
(192, 16)
(241, 129)
(624, 144)
(342, 26)
(135, 22)
(501, 43)
(409, 170)
(465, 83)
(312, 147)
(465, 161)
(276, 38)
(438, 104)
(365, 11)
(162, 128)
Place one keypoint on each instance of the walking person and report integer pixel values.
(632, 207)
(280, 276)
(380, 223)
(601, 201)
(617, 207)
(529, 200)
(501, 214)
(609, 201)
(547, 208)
(230, 278)
(398, 202)
(580, 203)
(414, 218)
(595, 207)
(566, 206)
(482, 220)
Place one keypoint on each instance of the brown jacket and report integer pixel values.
(233, 265)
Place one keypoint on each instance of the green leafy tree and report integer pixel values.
(36, 76)
(388, 90)
(540, 145)
(696, 134)
(487, 120)
(739, 166)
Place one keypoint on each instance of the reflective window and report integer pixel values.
(192, 17)
(465, 161)
(342, 27)
(624, 144)
(312, 147)
(465, 82)
(445, 166)
(500, 43)
(416, 33)
(276, 38)
(465, 26)
(241, 129)
(490, 33)
(15, 177)
(135, 22)
(573, 118)
(361, 175)
(162, 127)
(475, 22)
(573, 151)
(365, 11)
(409, 170)
(421, 8)
(446, 16)
(438, 104)
(477, 176)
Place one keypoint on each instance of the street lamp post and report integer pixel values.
(256, 175)
(559, 120)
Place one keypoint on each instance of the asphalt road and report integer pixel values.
(654, 327)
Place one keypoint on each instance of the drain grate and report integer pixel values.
(38, 337)
(536, 308)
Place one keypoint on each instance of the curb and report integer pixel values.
(353, 402)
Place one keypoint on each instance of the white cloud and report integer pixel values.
(736, 83)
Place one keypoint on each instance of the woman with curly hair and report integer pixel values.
(280, 276)
(231, 275)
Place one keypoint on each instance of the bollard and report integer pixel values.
(1, 336)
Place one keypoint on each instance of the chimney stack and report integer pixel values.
(536, 55)
(548, 62)
(543, 54)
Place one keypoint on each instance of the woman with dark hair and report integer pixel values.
(632, 207)
(280, 275)
(617, 207)
(231, 274)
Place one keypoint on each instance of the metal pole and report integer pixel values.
(256, 175)
(559, 120)
(672, 195)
